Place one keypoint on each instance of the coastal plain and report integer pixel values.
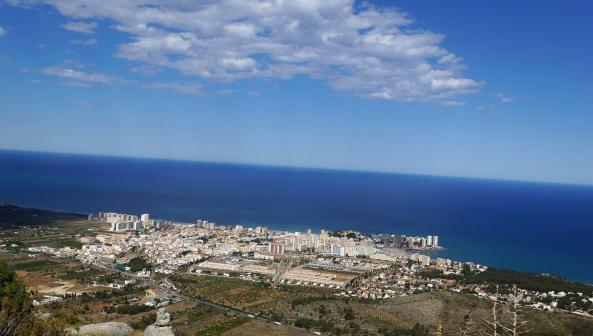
(210, 303)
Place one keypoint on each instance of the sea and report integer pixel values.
(525, 226)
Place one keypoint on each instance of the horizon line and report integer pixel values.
(271, 165)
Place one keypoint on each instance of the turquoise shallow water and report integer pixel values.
(534, 227)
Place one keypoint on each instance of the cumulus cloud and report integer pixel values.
(81, 27)
(2, 31)
(371, 51)
(189, 88)
(453, 103)
(73, 76)
(227, 91)
(80, 78)
(88, 42)
(146, 70)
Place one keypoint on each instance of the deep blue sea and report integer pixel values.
(545, 228)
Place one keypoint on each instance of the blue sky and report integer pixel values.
(499, 89)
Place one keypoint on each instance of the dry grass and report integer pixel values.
(258, 328)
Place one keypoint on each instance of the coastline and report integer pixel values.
(430, 251)
(490, 223)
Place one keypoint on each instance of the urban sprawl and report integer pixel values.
(377, 266)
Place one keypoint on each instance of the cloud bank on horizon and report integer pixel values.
(369, 51)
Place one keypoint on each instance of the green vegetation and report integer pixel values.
(220, 328)
(321, 325)
(116, 295)
(81, 274)
(143, 322)
(35, 265)
(309, 299)
(15, 304)
(418, 330)
(438, 274)
(529, 281)
(198, 312)
(16, 309)
(12, 216)
(68, 242)
(574, 302)
(229, 291)
(138, 264)
(15, 245)
(348, 314)
(128, 309)
(132, 309)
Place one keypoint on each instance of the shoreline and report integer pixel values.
(428, 251)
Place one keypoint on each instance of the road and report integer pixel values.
(170, 293)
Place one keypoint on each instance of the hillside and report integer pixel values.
(15, 216)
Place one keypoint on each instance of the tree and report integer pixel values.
(467, 328)
(138, 264)
(16, 308)
(419, 330)
(348, 314)
(15, 304)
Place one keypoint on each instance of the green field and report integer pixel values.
(221, 328)
(35, 265)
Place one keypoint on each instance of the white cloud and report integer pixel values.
(189, 88)
(146, 70)
(80, 78)
(503, 98)
(2, 31)
(77, 84)
(453, 103)
(370, 51)
(227, 91)
(88, 42)
(75, 77)
(81, 27)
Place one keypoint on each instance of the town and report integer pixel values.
(378, 266)
(88, 272)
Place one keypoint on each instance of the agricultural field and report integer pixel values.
(258, 328)
(84, 301)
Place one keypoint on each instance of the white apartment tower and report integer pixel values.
(338, 250)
